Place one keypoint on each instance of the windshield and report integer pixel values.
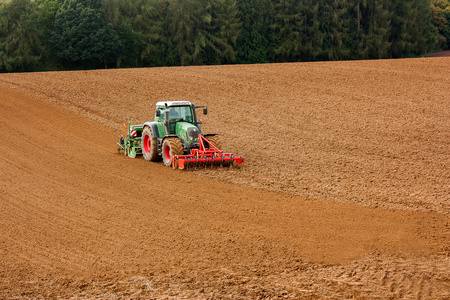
(181, 113)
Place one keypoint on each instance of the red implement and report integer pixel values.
(206, 155)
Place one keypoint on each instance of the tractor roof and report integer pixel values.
(173, 103)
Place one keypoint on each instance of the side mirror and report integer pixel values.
(205, 111)
(158, 113)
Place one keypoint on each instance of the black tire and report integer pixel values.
(171, 147)
(149, 145)
(214, 139)
(121, 144)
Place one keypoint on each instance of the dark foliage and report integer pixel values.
(58, 34)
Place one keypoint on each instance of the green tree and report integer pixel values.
(186, 23)
(417, 33)
(82, 37)
(398, 45)
(134, 50)
(47, 10)
(20, 36)
(287, 30)
(202, 31)
(356, 21)
(252, 44)
(139, 26)
(222, 33)
(440, 10)
(375, 43)
(295, 30)
(335, 25)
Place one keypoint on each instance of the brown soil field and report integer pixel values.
(345, 192)
(440, 54)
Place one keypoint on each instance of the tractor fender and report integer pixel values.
(171, 135)
(153, 127)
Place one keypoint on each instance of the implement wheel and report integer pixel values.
(149, 145)
(171, 147)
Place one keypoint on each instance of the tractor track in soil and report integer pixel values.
(344, 193)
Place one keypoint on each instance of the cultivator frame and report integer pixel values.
(205, 156)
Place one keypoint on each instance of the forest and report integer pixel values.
(43, 35)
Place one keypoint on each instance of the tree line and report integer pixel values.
(38, 35)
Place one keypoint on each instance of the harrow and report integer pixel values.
(204, 157)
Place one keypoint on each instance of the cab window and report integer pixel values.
(181, 113)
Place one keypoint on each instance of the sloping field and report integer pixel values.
(345, 191)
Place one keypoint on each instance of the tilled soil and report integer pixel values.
(344, 193)
(440, 54)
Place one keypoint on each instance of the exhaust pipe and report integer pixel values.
(166, 120)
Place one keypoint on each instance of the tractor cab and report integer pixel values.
(171, 115)
(177, 116)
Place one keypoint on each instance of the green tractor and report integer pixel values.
(175, 137)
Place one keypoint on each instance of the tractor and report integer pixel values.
(175, 137)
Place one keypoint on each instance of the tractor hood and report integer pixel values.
(187, 131)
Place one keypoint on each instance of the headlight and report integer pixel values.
(193, 133)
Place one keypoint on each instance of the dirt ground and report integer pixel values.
(440, 54)
(345, 192)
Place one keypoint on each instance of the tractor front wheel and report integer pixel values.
(149, 145)
(171, 147)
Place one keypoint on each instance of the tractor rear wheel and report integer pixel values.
(214, 139)
(149, 145)
(171, 147)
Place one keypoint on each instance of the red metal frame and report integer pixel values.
(204, 156)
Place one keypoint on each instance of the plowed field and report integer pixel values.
(345, 191)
